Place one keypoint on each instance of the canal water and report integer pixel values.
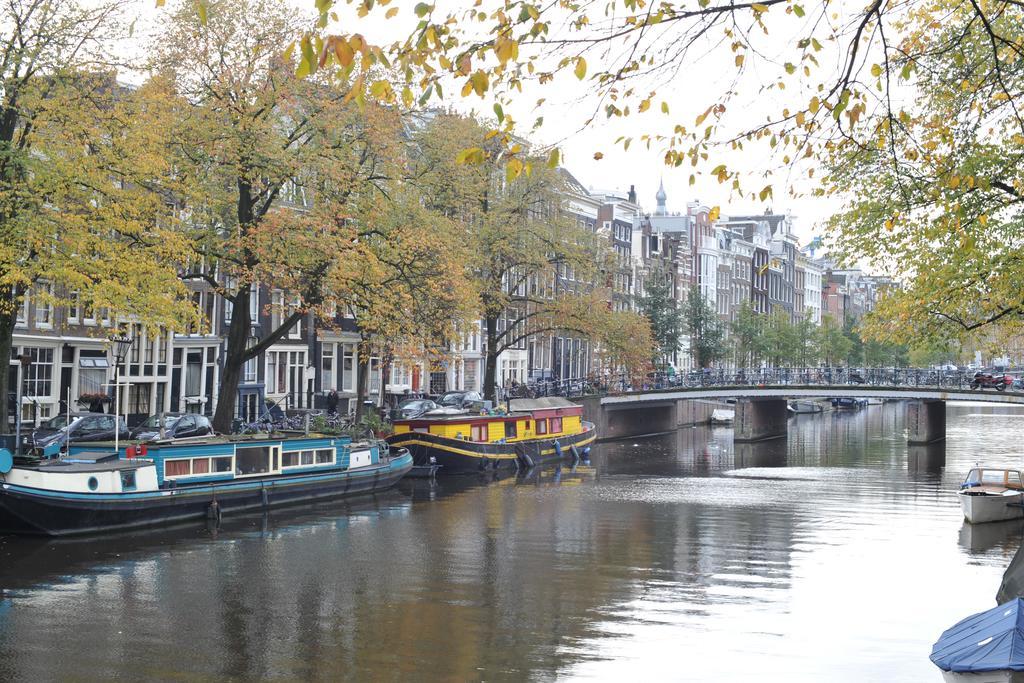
(838, 554)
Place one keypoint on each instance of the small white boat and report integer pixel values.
(721, 416)
(805, 407)
(991, 495)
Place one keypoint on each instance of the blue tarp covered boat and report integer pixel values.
(985, 646)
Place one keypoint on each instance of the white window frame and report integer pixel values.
(334, 458)
(44, 306)
(234, 463)
(210, 473)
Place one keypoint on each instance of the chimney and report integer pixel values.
(632, 194)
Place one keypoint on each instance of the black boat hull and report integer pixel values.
(32, 512)
(456, 456)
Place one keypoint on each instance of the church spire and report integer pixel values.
(661, 197)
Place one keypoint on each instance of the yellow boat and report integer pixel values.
(532, 432)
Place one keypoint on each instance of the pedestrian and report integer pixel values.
(332, 402)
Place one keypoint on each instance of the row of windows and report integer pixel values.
(549, 425)
(187, 467)
(247, 461)
(322, 456)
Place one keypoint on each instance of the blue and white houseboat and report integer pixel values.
(99, 487)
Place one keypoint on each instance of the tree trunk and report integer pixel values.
(491, 360)
(234, 361)
(362, 376)
(7, 322)
(386, 361)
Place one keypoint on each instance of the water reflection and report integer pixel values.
(835, 554)
(926, 461)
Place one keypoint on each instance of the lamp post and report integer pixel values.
(119, 344)
(25, 361)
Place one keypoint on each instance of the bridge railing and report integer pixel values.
(605, 384)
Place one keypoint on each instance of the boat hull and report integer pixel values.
(25, 510)
(979, 509)
(805, 407)
(456, 456)
(983, 677)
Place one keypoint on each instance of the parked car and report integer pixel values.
(458, 399)
(80, 427)
(176, 426)
(412, 407)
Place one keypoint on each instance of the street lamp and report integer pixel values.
(119, 344)
(26, 361)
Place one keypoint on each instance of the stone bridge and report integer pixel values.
(761, 411)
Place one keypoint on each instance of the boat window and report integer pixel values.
(479, 432)
(1013, 480)
(542, 426)
(995, 477)
(254, 460)
(222, 464)
(973, 478)
(177, 468)
(556, 425)
(323, 456)
(510, 429)
(201, 466)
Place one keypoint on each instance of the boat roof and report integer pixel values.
(988, 641)
(262, 437)
(62, 466)
(464, 416)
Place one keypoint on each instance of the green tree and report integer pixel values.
(781, 340)
(925, 354)
(834, 345)
(855, 356)
(748, 335)
(661, 308)
(707, 333)
(806, 334)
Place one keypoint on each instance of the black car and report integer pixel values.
(176, 426)
(413, 407)
(459, 399)
(80, 427)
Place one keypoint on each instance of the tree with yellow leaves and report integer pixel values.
(279, 170)
(915, 110)
(79, 158)
(534, 270)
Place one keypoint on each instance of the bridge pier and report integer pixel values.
(760, 418)
(926, 420)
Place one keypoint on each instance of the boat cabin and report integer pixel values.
(528, 419)
(99, 468)
(987, 476)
